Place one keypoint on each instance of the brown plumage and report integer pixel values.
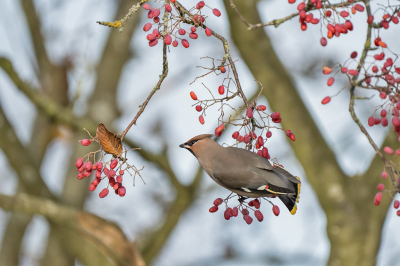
(244, 172)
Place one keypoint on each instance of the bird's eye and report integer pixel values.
(192, 142)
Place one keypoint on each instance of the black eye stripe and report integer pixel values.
(192, 143)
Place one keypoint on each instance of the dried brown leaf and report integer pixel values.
(109, 141)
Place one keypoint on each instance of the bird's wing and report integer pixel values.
(250, 158)
(249, 178)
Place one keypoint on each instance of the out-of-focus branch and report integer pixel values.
(41, 100)
(36, 35)
(106, 236)
(185, 196)
(20, 160)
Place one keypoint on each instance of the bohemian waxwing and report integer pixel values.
(244, 172)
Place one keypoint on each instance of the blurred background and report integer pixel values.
(95, 74)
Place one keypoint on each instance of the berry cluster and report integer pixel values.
(114, 169)
(243, 208)
(86, 169)
(170, 30)
(379, 195)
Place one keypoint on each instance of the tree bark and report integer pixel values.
(354, 223)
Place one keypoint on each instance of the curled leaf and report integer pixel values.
(109, 141)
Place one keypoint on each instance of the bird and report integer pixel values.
(244, 172)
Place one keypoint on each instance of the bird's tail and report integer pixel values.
(290, 201)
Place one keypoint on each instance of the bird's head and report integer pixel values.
(197, 144)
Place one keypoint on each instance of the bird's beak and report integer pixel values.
(182, 145)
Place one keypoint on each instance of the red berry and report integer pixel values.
(193, 95)
(323, 41)
(79, 163)
(201, 120)
(396, 204)
(181, 31)
(385, 122)
(260, 141)
(96, 181)
(220, 128)
(314, 21)
(153, 43)
(167, 39)
(370, 19)
(185, 43)
(82, 168)
(292, 1)
(216, 12)
(292, 137)
(112, 173)
(395, 120)
(208, 32)
(353, 55)
(259, 215)
(121, 191)
(99, 165)
(245, 211)
(199, 108)
(326, 100)
(146, 6)
(353, 72)
(218, 202)
(235, 135)
(98, 173)
(384, 175)
(193, 29)
(380, 187)
(275, 210)
(80, 176)
(147, 27)
(251, 203)
(222, 69)
(378, 198)
(168, 8)
(344, 14)
(382, 95)
(156, 19)
(119, 179)
(221, 89)
(114, 163)
(248, 219)
(235, 211)
(265, 153)
(261, 108)
(175, 43)
(398, 213)
(246, 138)
(388, 150)
(121, 172)
(103, 193)
(87, 173)
(156, 12)
(85, 142)
(88, 166)
(240, 138)
(249, 113)
(92, 187)
(94, 167)
(256, 203)
(301, 6)
(383, 113)
(156, 33)
(330, 81)
(269, 134)
(111, 181)
(213, 209)
(193, 35)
